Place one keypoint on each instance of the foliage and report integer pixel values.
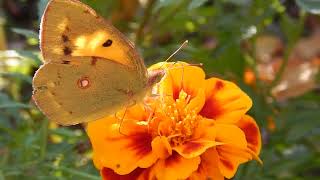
(222, 35)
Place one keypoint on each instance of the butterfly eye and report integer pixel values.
(107, 43)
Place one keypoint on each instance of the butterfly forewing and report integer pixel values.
(90, 69)
(70, 28)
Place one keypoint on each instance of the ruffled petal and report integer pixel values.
(182, 76)
(175, 167)
(208, 168)
(251, 130)
(137, 112)
(230, 157)
(197, 102)
(231, 135)
(204, 138)
(110, 146)
(162, 147)
(225, 101)
(234, 150)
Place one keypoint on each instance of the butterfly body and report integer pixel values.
(90, 69)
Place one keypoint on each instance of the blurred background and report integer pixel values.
(271, 48)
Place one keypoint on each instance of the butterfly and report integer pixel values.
(91, 70)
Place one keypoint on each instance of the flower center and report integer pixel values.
(180, 121)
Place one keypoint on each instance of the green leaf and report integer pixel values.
(25, 32)
(312, 6)
(196, 3)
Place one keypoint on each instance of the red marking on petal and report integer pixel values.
(175, 91)
(251, 132)
(218, 86)
(173, 159)
(191, 146)
(227, 164)
(141, 144)
(109, 174)
(211, 109)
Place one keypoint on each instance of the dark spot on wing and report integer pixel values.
(70, 112)
(64, 62)
(65, 38)
(67, 51)
(107, 43)
(86, 11)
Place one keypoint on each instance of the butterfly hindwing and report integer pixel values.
(87, 89)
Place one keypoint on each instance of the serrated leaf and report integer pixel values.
(312, 6)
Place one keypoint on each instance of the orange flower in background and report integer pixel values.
(195, 128)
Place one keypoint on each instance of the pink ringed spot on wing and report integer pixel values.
(83, 83)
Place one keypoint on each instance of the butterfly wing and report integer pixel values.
(88, 89)
(70, 29)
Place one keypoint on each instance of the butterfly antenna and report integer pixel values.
(175, 52)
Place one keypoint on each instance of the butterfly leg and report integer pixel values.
(123, 116)
(121, 121)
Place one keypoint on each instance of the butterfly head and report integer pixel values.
(155, 76)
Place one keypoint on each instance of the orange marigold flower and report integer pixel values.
(194, 128)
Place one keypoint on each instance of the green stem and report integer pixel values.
(147, 16)
(44, 138)
(289, 48)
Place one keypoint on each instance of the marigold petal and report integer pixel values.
(208, 168)
(197, 102)
(225, 101)
(109, 174)
(109, 145)
(137, 112)
(230, 157)
(162, 147)
(204, 138)
(230, 134)
(175, 167)
(182, 76)
(234, 150)
(251, 130)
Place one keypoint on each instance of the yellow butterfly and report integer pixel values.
(90, 69)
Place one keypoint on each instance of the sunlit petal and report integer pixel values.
(225, 102)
